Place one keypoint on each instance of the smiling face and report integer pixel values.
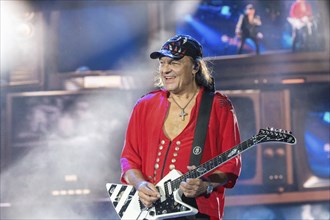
(178, 75)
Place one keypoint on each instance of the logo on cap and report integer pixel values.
(178, 47)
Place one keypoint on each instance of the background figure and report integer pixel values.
(301, 22)
(247, 28)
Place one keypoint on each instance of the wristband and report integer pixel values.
(142, 183)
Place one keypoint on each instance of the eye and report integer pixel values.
(175, 62)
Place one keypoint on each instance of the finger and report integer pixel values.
(193, 193)
(192, 187)
(154, 190)
(149, 189)
(188, 193)
(146, 203)
(148, 195)
(185, 187)
(193, 181)
(146, 199)
(191, 167)
(193, 184)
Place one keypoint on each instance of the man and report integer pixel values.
(301, 22)
(161, 131)
(247, 28)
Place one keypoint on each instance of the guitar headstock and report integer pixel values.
(275, 135)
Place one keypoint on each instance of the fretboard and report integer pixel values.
(214, 162)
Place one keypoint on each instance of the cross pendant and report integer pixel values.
(183, 114)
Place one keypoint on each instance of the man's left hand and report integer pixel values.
(193, 187)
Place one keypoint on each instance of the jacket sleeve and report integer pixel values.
(229, 137)
(130, 156)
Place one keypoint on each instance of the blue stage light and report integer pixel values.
(286, 40)
(188, 18)
(211, 36)
(317, 156)
(326, 117)
(225, 11)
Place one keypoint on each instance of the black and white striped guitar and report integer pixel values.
(125, 198)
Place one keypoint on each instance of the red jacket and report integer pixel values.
(147, 148)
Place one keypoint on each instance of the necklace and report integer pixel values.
(183, 114)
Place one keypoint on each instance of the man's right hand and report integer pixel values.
(238, 34)
(148, 193)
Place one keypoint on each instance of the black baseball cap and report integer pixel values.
(179, 46)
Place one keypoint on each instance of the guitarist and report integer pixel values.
(247, 27)
(301, 22)
(160, 133)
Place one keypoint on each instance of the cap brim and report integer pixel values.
(162, 53)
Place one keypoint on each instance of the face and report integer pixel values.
(177, 75)
(250, 10)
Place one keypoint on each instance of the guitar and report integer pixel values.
(125, 199)
(300, 23)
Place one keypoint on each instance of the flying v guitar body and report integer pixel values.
(126, 202)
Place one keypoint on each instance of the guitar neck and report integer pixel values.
(214, 163)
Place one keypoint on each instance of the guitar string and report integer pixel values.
(177, 181)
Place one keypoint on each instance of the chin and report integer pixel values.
(170, 88)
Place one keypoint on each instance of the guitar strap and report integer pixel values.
(201, 127)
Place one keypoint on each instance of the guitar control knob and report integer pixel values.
(152, 213)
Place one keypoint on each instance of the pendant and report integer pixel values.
(183, 114)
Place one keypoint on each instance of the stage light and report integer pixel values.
(78, 191)
(326, 117)
(55, 193)
(293, 81)
(210, 35)
(188, 18)
(71, 192)
(70, 178)
(224, 38)
(225, 11)
(25, 30)
(86, 191)
(63, 192)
